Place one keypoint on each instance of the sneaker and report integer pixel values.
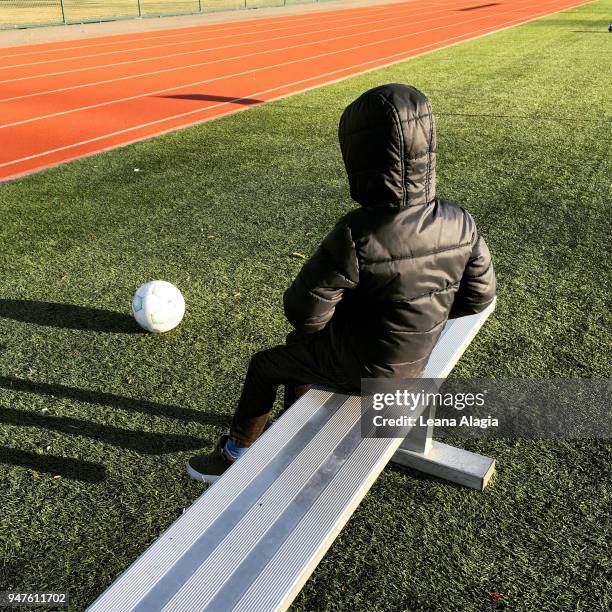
(209, 467)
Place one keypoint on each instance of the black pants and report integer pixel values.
(304, 360)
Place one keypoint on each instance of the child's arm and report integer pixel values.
(478, 285)
(311, 299)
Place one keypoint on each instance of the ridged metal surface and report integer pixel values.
(250, 542)
(160, 558)
(241, 545)
(288, 569)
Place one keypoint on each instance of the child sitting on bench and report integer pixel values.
(374, 297)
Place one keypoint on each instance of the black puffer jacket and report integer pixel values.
(389, 274)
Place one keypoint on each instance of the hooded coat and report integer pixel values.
(383, 282)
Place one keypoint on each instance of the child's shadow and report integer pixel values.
(68, 316)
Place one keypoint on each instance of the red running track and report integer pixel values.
(64, 100)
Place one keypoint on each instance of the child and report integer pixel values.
(374, 297)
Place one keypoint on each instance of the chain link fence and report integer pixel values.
(28, 13)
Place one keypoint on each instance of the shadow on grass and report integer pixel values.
(418, 475)
(75, 469)
(521, 117)
(68, 316)
(138, 441)
(115, 401)
(566, 23)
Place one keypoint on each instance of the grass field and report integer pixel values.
(97, 419)
(24, 12)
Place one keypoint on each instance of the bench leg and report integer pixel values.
(420, 452)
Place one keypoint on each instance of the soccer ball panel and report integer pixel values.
(163, 290)
(158, 306)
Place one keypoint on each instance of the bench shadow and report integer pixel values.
(68, 316)
(212, 98)
(115, 401)
(75, 469)
(418, 475)
(142, 442)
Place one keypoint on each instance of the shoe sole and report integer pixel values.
(209, 478)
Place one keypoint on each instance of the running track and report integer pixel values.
(64, 100)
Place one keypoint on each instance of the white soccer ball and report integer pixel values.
(158, 306)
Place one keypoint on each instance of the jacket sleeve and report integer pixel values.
(478, 285)
(311, 299)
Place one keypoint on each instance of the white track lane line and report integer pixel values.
(174, 44)
(222, 26)
(344, 50)
(185, 66)
(147, 59)
(400, 57)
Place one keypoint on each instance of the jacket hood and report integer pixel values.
(388, 143)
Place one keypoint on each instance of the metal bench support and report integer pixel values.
(421, 452)
(449, 463)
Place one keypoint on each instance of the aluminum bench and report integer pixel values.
(251, 541)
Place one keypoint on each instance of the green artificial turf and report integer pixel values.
(97, 420)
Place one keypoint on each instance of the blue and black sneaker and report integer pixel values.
(209, 468)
